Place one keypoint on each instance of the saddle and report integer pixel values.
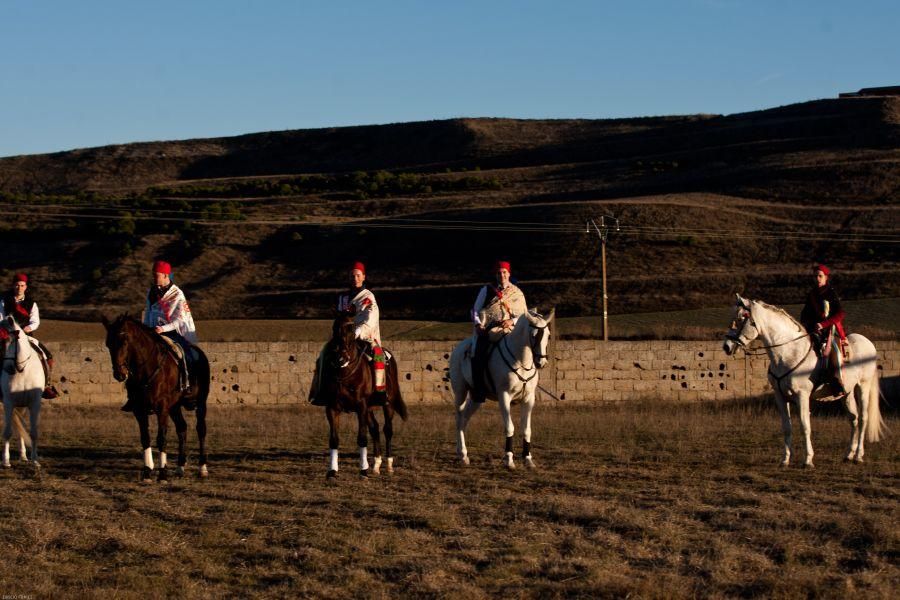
(182, 360)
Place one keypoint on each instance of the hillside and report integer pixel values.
(262, 225)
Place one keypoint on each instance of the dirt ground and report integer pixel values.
(647, 500)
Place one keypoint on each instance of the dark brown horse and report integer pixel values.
(144, 362)
(347, 382)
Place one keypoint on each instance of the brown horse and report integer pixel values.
(144, 362)
(347, 382)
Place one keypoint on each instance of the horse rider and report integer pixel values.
(494, 314)
(169, 313)
(24, 310)
(361, 301)
(823, 318)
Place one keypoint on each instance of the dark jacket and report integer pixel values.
(814, 311)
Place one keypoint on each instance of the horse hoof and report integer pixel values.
(858, 460)
(848, 459)
(376, 471)
(809, 465)
(6, 465)
(464, 460)
(363, 473)
(179, 472)
(390, 469)
(203, 472)
(529, 464)
(332, 474)
(163, 476)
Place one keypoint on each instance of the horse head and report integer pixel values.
(743, 328)
(343, 336)
(540, 335)
(118, 341)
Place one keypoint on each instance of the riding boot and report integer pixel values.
(129, 406)
(50, 391)
(479, 359)
(315, 398)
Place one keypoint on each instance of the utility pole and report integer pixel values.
(606, 222)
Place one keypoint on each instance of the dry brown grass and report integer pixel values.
(646, 500)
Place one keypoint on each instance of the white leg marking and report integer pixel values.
(377, 468)
(162, 460)
(510, 464)
(6, 453)
(363, 458)
(390, 464)
(333, 464)
(148, 458)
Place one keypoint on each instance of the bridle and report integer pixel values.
(536, 355)
(735, 336)
(19, 366)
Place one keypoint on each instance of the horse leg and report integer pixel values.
(7, 431)
(333, 421)
(525, 424)
(143, 420)
(362, 441)
(388, 436)
(806, 427)
(19, 424)
(201, 437)
(162, 426)
(509, 428)
(376, 441)
(465, 408)
(34, 417)
(181, 430)
(784, 410)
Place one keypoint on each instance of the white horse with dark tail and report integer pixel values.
(22, 382)
(512, 375)
(794, 371)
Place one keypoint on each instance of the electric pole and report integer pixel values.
(606, 222)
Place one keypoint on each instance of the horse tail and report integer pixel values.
(203, 379)
(875, 427)
(18, 420)
(397, 400)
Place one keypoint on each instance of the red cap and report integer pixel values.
(824, 269)
(502, 264)
(20, 277)
(358, 266)
(163, 267)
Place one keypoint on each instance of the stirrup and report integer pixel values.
(49, 393)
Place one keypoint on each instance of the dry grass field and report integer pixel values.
(649, 500)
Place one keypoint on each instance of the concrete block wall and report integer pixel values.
(581, 371)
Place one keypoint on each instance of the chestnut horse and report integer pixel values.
(348, 384)
(142, 359)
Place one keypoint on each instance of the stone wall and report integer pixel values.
(581, 371)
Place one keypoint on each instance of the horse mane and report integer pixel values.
(783, 312)
(150, 331)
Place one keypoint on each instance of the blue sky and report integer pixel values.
(88, 73)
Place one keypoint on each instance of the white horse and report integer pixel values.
(22, 382)
(512, 373)
(794, 368)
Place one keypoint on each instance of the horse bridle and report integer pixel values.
(20, 366)
(735, 336)
(535, 354)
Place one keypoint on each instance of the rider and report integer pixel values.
(168, 312)
(362, 301)
(24, 310)
(823, 318)
(494, 314)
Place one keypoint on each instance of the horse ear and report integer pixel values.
(741, 302)
(552, 315)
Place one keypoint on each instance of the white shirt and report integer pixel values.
(172, 313)
(34, 317)
(367, 315)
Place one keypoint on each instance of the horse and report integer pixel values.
(793, 371)
(141, 358)
(22, 383)
(348, 385)
(512, 373)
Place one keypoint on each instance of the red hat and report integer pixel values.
(502, 264)
(20, 277)
(824, 269)
(163, 267)
(358, 266)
